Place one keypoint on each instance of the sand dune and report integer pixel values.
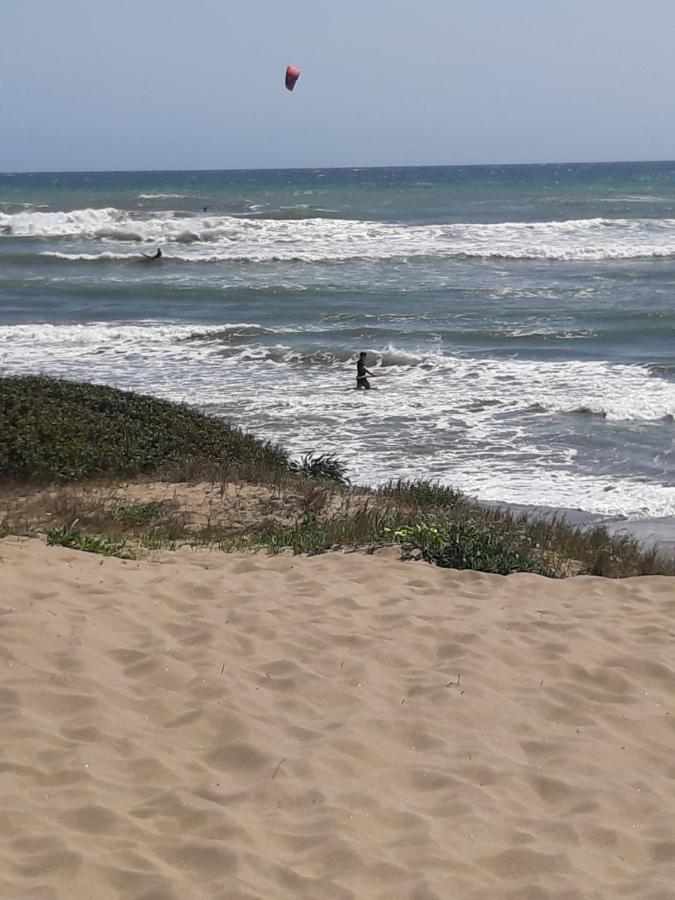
(220, 726)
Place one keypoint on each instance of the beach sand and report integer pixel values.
(204, 725)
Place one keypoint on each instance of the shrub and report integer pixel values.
(65, 431)
(453, 545)
(324, 466)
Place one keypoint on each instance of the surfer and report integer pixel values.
(157, 255)
(362, 373)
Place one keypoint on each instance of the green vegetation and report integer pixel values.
(441, 542)
(449, 530)
(138, 514)
(242, 493)
(551, 542)
(312, 534)
(66, 537)
(54, 430)
(454, 545)
(322, 466)
(422, 495)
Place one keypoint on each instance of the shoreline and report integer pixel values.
(650, 531)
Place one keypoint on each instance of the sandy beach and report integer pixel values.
(208, 725)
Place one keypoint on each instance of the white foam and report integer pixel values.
(470, 423)
(209, 238)
(160, 196)
(89, 257)
(617, 392)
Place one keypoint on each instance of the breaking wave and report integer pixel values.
(206, 238)
(596, 389)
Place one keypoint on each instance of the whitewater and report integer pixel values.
(226, 238)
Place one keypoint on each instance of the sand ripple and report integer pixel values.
(344, 727)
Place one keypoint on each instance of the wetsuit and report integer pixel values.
(362, 375)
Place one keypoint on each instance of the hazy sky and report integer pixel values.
(127, 84)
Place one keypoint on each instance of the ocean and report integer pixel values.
(523, 317)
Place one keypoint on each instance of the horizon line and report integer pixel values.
(603, 162)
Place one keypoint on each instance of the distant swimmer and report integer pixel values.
(157, 255)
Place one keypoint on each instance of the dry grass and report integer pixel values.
(92, 465)
(174, 510)
(310, 516)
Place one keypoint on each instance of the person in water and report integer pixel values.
(156, 255)
(362, 373)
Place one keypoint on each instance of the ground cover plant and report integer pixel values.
(106, 546)
(58, 430)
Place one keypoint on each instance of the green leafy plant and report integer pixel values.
(67, 537)
(454, 545)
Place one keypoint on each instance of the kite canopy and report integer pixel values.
(292, 75)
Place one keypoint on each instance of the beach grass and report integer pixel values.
(117, 473)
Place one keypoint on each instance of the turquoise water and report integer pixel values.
(523, 316)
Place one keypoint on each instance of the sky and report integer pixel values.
(100, 85)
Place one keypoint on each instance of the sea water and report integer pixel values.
(523, 316)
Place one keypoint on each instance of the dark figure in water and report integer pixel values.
(362, 373)
(157, 255)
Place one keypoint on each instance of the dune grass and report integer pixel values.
(448, 529)
(86, 441)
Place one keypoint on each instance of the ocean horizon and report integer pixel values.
(523, 316)
(345, 167)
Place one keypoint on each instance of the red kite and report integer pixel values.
(292, 75)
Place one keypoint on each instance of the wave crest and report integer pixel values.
(205, 238)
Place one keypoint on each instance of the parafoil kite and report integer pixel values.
(292, 75)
